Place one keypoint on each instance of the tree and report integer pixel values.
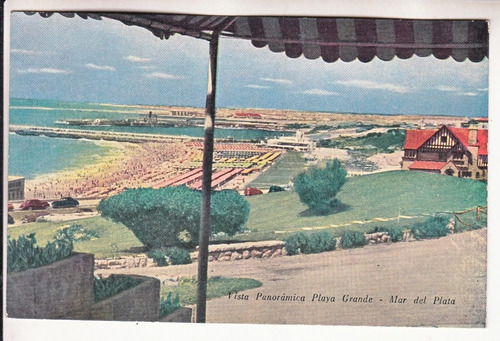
(318, 187)
(158, 216)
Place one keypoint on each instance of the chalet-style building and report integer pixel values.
(461, 152)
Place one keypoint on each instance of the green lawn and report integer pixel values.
(109, 232)
(381, 195)
(282, 171)
(186, 288)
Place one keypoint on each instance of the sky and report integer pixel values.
(108, 62)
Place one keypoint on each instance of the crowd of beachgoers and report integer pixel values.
(126, 165)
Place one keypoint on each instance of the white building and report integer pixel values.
(298, 142)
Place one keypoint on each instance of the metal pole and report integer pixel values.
(208, 151)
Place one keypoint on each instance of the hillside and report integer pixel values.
(380, 195)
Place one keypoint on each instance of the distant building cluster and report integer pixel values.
(298, 142)
(247, 115)
(461, 152)
(184, 113)
(16, 188)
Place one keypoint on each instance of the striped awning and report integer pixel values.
(331, 39)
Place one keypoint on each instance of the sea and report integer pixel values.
(31, 156)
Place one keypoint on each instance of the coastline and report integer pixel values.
(125, 165)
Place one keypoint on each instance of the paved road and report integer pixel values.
(452, 268)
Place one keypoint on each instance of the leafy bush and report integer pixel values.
(377, 229)
(352, 239)
(76, 233)
(313, 243)
(321, 242)
(433, 227)
(159, 256)
(177, 255)
(158, 216)
(296, 243)
(396, 233)
(172, 255)
(24, 253)
(318, 187)
(169, 305)
(112, 285)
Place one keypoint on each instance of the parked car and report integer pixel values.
(65, 202)
(10, 207)
(273, 189)
(252, 191)
(34, 204)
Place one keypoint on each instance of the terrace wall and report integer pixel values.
(140, 303)
(62, 290)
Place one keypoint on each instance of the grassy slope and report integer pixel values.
(109, 232)
(371, 196)
(282, 171)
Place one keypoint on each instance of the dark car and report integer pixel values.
(65, 202)
(274, 189)
(34, 204)
(252, 191)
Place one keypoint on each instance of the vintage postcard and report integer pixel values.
(241, 168)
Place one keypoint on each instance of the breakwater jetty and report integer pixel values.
(96, 135)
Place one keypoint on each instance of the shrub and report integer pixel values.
(24, 253)
(169, 305)
(112, 285)
(433, 227)
(313, 243)
(177, 255)
(377, 229)
(76, 233)
(296, 243)
(172, 255)
(159, 256)
(396, 233)
(158, 216)
(320, 242)
(318, 187)
(352, 239)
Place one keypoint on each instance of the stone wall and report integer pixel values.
(61, 290)
(218, 252)
(383, 237)
(138, 261)
(236, 251)
(228, 252)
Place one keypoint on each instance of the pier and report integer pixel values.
(96, 135)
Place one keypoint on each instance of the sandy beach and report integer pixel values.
(126, 165)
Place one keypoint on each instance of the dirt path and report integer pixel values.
(452, 268)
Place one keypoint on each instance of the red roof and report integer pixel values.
(416, 138)
(482, 141)
(428, 165)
